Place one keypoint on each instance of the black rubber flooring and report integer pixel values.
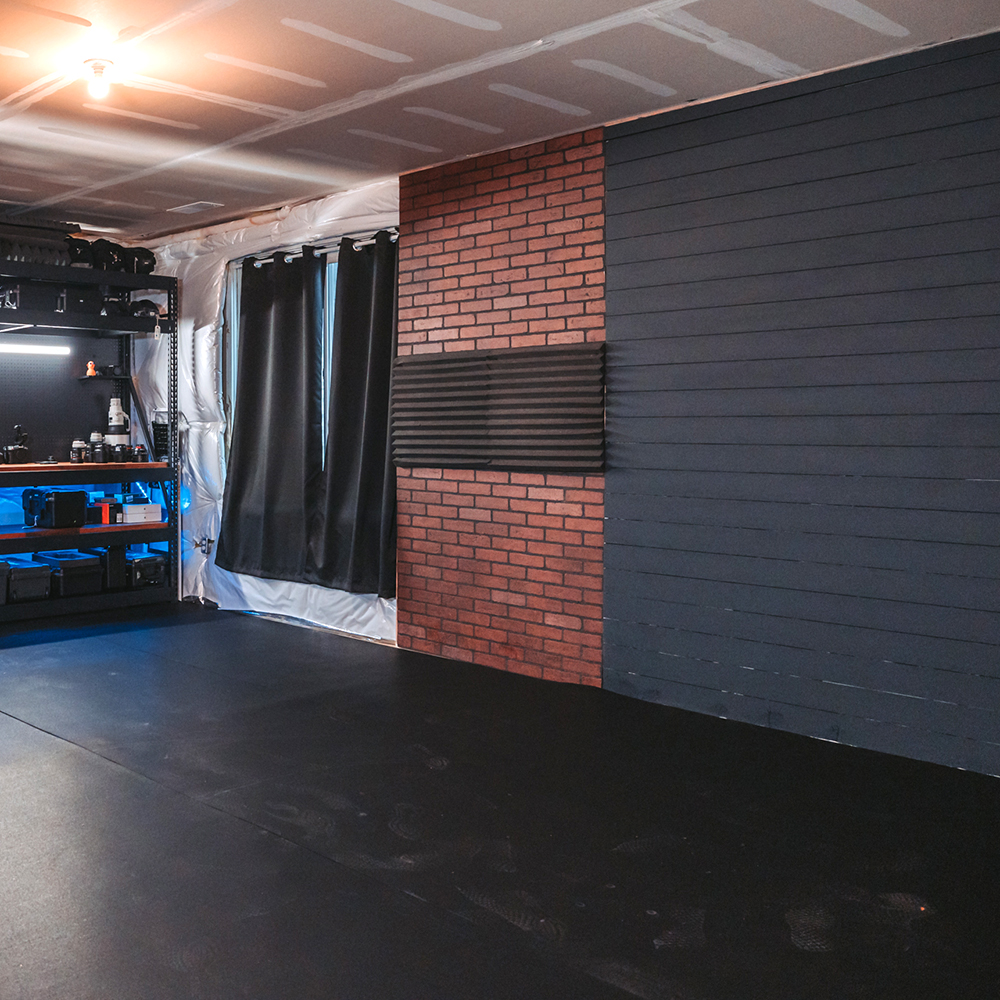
(205, 805)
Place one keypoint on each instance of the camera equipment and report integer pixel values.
(108, 256)
(116, 304)
(16, 453)
(80, 254)
(118, 428)
(144, 307)
(142, 261)
(54, 508)
(97, 447)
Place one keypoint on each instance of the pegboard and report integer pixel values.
(42, 393)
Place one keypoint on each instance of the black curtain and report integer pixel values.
(276, 452)
(353, 540)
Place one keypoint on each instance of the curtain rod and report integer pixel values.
(360, 241)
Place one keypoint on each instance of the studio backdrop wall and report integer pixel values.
(803, 347)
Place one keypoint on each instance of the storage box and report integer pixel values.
(145, 569)
(111, 511)
(4, 574)
(72, 572)
(112, 566)
(28, 581)
(142, 513)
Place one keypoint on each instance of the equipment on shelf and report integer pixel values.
(82, 299)
(142, 513)
(161, 436)
(145, 569)
(112, 565)
(107, 256)
(18, 452)
(73, 572)
(54, 508)
(54, 519)
(118, 427)
(28, 580)
(111, 511)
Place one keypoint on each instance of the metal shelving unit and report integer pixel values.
(34, 321)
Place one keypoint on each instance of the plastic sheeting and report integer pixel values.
(199, 261)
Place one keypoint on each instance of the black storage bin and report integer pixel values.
(38, 296)
(113, 566)
(84, 299)
(145, 569)
(73, 572)
(4, 574)
(28, 581)
(54, 508)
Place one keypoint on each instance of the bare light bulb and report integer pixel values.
(98, 85)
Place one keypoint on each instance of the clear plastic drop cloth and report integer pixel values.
(199, 261)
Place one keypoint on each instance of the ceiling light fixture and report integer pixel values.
(98, 77)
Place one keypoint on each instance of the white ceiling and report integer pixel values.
(243, 105)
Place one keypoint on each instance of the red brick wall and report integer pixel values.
(504, 250)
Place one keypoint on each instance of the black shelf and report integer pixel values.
(85, 473)
(86, 603)
(87, 537)
(47, 322)
(43, 321)
(85, 276)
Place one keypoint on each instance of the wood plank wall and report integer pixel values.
(803, 487)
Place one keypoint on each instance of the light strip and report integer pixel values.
(32, 349)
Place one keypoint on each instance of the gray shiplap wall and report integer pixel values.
(803, 488)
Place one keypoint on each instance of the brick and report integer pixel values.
(502, 488)
(480, 245)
